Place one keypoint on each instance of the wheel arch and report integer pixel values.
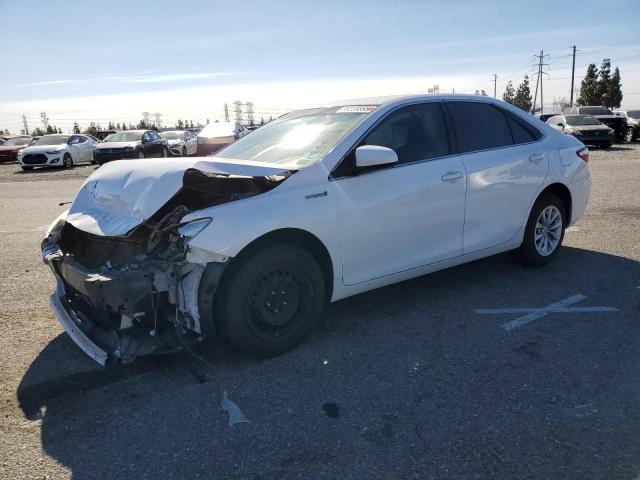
(301, 238)
(564, 194)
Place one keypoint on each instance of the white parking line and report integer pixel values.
(537, 313)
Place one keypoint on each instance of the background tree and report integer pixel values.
(191, 124)
(179, 124)
(111, 126)
(614, 92)
(522, 99)
(589, 87)
(118, 126)
(38, 132)
(76, 127)
(509, 94)
(604, 81)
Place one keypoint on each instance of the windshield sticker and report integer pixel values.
(357, 109)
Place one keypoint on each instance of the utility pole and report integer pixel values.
(539, 74)
(495, 85)
(238, 109)
(26, 126)
(158, 120)
(573, 72)
(226, 112)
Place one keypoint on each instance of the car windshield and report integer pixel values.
(124, 137)
(633, 113)
(52, 140)
(298, 140)
(582, 120)
(595, 111)
(18, 141)
(172, 135)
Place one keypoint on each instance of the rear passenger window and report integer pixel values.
(415, 132)
(522, 132)
(480, 126)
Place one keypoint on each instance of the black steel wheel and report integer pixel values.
(270, 299)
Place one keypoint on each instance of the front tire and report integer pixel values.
(26, 169)
(165, 152)
(629, 135)
(67, 161)
(270, 299)
(184, 152)
(544, 232)
(140, 154)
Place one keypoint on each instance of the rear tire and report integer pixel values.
(165, 152)
(543, 234)
(140, 154)
(270, 299)
(26, 169)
(629, 136)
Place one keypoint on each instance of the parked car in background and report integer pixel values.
(57, 151)
(633, 123)
(589, 130)
(2, 140)
(217, 135)
(102, 134)
(131, 144)
(313, 207)
(545, 116)
(181, 142)
(9, 150)
(606, 116)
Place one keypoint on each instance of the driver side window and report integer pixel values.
(414, 132)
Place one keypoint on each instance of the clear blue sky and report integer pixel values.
(75, 50)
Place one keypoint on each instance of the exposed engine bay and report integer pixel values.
(144, 292)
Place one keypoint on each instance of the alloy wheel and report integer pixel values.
(548, 230)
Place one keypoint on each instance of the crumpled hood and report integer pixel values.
(121, 195)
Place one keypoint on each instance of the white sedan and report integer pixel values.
(181, 142)
(313, 207)
(57, 151)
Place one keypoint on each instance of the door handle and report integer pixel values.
(536, 157)
(451, 176)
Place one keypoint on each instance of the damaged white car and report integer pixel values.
(313, 207)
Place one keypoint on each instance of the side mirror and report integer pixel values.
(560, 124)
(145, 140)
(74, 142)
(372, 155)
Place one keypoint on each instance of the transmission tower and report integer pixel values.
(45, 120)
(541, 58)
(249, 113)
(238, 109)
(158, 117)
(26, 126)
(226, 112)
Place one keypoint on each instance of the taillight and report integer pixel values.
(583, 153)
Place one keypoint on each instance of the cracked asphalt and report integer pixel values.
(403, 382)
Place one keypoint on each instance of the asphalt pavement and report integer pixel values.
(487, 370)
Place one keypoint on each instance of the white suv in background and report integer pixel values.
(315, 206)
(57, 151)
